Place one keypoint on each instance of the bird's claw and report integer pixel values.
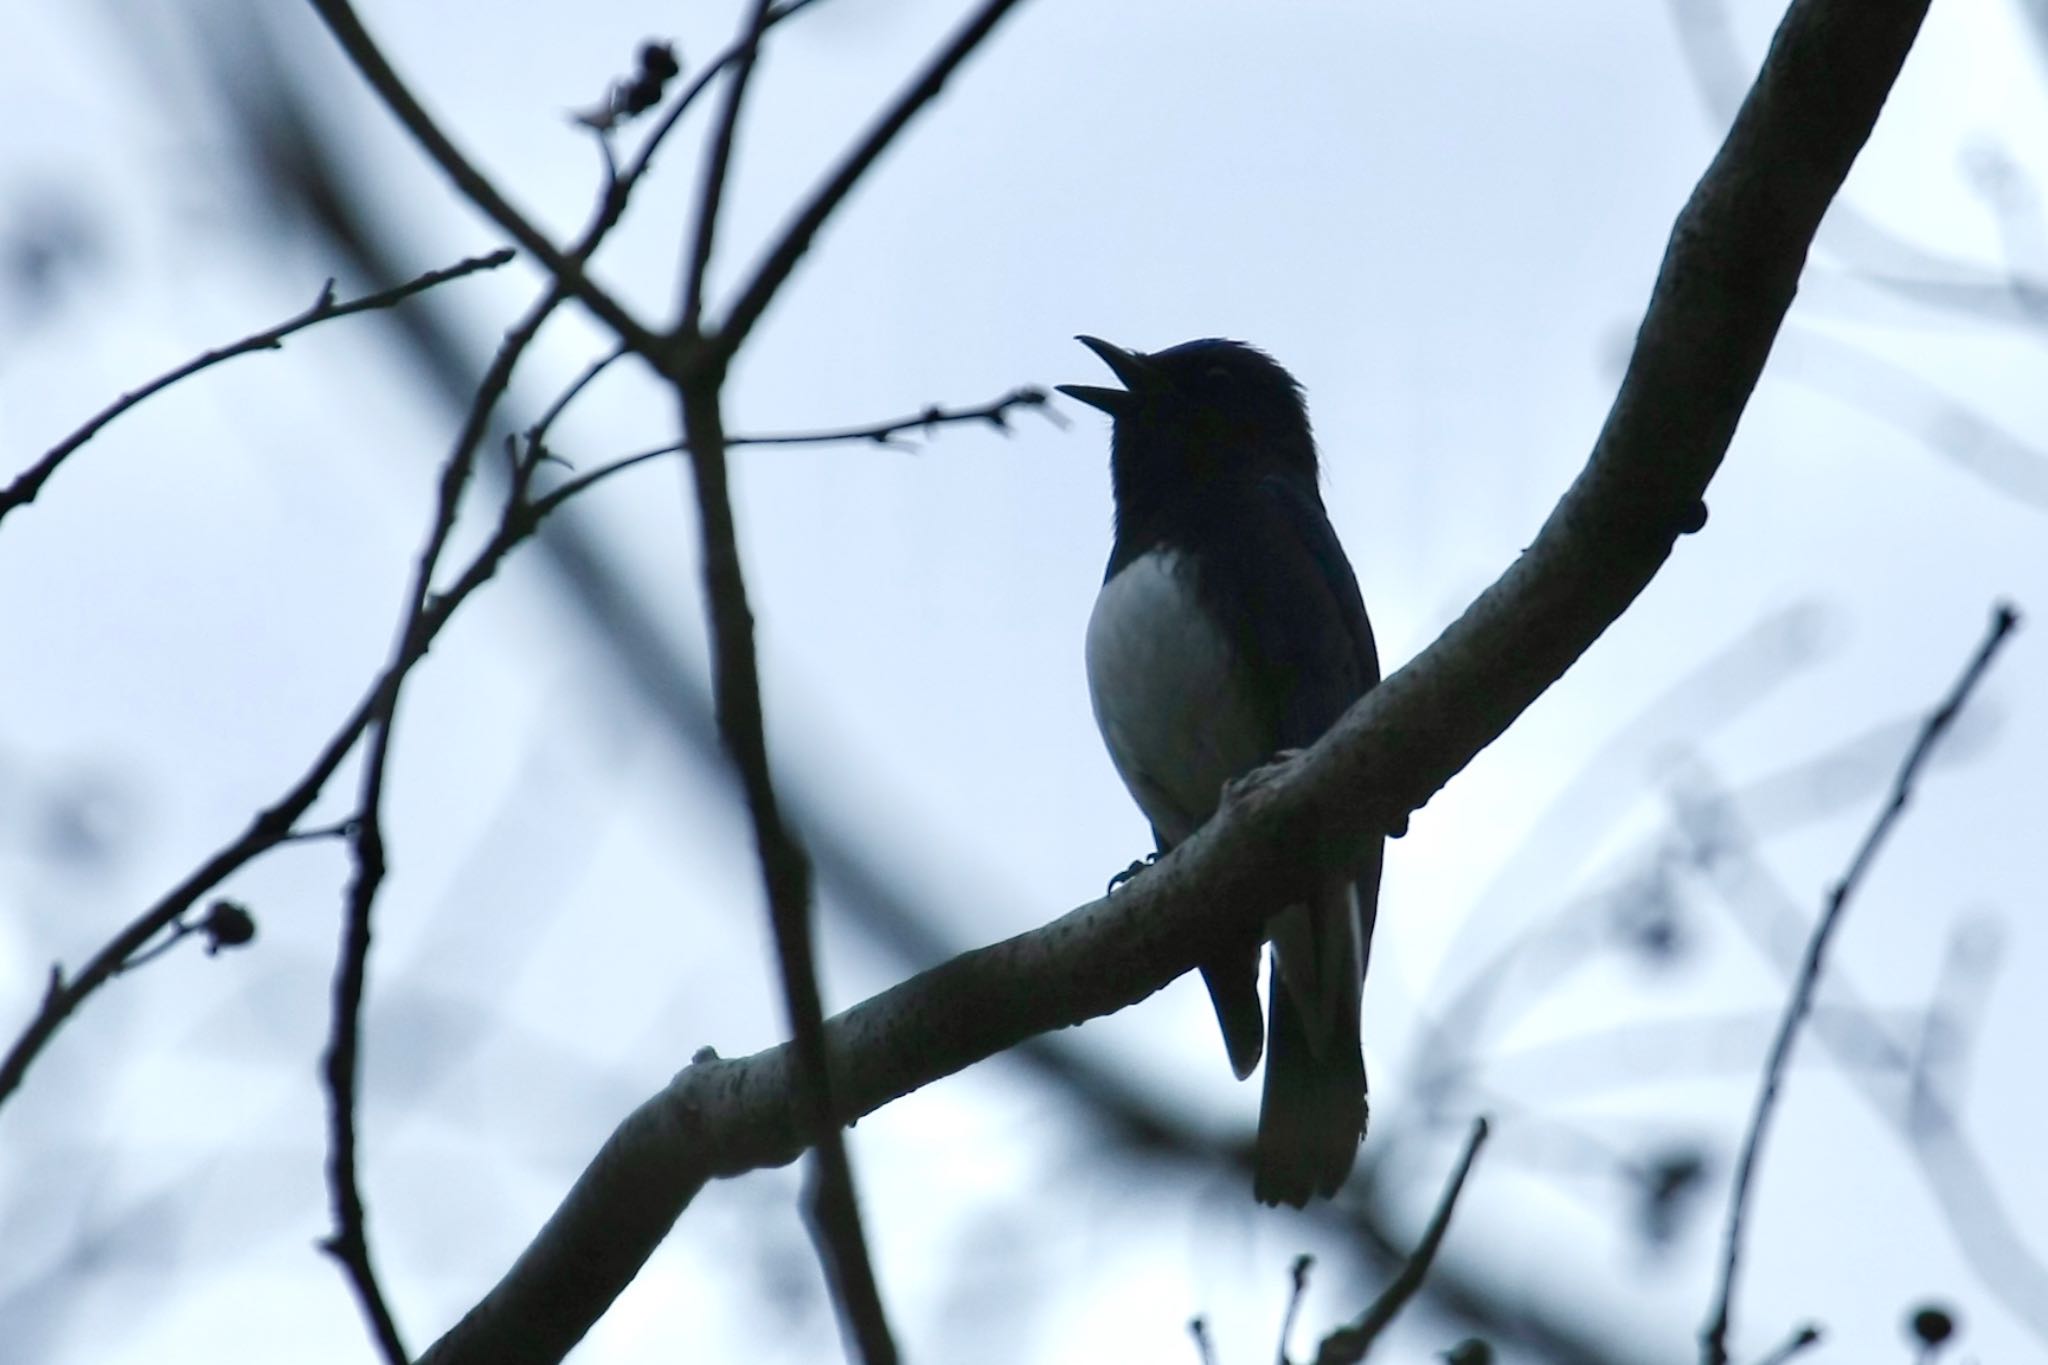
(1241, 786)
(1244, 785)
(1133, 870)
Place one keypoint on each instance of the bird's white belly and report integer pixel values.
(1169, 694)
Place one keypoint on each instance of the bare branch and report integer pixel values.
(25, 487)
(1888, 260)
(1875, 1060)
(717, 169)
(1714, 1337)
(1803, 1336)
(996, 414)
(425, 616)
(621, 185)
(786, 877)
(270, 827)
(537, 434)
(1349, 1343)
(1297, 1292)
(349, 1242)
(796, 239)
(566, 267)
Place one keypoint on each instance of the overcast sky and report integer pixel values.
(1444, 219)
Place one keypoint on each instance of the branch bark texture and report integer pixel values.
(1729, 274)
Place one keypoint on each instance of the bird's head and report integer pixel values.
(1197, 414)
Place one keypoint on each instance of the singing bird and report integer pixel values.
(1230, 629)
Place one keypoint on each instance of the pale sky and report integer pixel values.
(1444, 220)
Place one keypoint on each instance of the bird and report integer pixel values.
(1229, 631)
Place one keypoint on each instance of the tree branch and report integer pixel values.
(566, 267)
(1714, 1336)
(786, 878)
(621, 185)
(995, 414)
(1729, 275)
(1349, 1343)
(1803, 1336)
(718, 169)
(796, 239)
(324, 309)
(1874, 1059)
(349, 1242)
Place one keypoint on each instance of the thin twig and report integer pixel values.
(995, 413)
(630, 175)
(620, 182)
(223, 912)
(339, 829)
(1349, 1343)
(349, 1242)
(565, 267)
(270, 827)
(1297, 1291)
(717, 170)
(786, 875)
(1714, 1336)
(877, 433)
(796, 239)
(1805, 1335)
(278, 823)
(324, 309)
(537, 434)
(1976, 1211)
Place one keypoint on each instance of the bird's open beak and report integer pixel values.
(1137, 373)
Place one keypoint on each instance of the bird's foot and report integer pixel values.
(1243, 785)
(1133, 870)
(1271, 771)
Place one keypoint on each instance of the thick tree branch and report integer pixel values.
(1728, 276)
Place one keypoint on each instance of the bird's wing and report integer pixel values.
(1316, 644)
(1319, 629)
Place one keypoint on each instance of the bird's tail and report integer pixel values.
(1233, 980)
(1313, 1113)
